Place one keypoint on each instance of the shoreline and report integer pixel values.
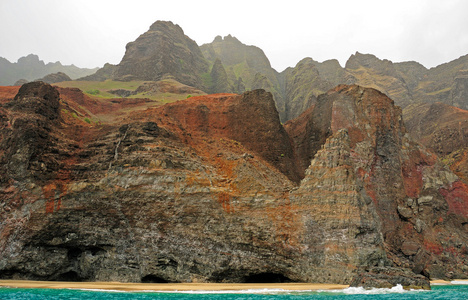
(445, 282)
(185, 287)
(170, 287)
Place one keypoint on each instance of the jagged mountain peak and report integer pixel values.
(365, 60)
(163, 50)
(30, 58)
(228, 38)
(165, 25)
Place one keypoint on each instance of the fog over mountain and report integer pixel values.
(91, 33)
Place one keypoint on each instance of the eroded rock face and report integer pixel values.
(390, 199)
(208, 189)
(443, 129)
(459, 91)
(26, 141)
(250, 119)
(163, 50)
(390, 277)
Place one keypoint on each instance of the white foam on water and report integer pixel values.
(462, 282)
(398, 289)
(248, 291)
(100, 290)
(265, 291)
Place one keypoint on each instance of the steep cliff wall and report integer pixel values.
(208, 189)
(390, 199)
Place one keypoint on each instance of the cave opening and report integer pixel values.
(70, 276)
(267, 277)
(74, 253)
(153, 279)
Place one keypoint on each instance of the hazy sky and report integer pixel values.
(89, 33)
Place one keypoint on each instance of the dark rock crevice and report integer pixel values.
(153, 279)
(266, 277)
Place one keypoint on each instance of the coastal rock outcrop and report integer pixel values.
(214, 189)
(391, 200)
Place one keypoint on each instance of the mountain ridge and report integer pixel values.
(296, 88)
(30, 68)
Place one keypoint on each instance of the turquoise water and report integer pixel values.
(452, 292)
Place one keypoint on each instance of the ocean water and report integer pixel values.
(452, 292)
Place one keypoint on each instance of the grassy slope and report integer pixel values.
(89, 88)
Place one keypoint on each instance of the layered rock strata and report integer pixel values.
(209, 189)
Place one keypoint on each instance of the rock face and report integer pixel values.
(219, 79)
(302, 86)
(163, 50)
(390, 277)
(459, 93)
(370, 71)
(250, 119)
(214, 189)
(55, 77)
(26, 140)
(246, 67)
(378, 187)
(443, 129)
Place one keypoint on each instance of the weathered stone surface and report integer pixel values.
(459, 92)
(369, 71)
(303, 84)
(163, 50)
(368, 174)
(390, 277)
(247, 68)
(210, 189)
(219, 79)
(443, 129)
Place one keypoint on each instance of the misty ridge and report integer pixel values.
(228, 65)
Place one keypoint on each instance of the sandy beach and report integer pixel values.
(184, 286)
(168, 286)
(455, 281)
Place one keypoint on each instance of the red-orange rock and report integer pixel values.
(208, 189)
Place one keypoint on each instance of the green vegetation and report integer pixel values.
(101, 88)
(207, 81)
(93, 92)
(87, 120)
(242, 69)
